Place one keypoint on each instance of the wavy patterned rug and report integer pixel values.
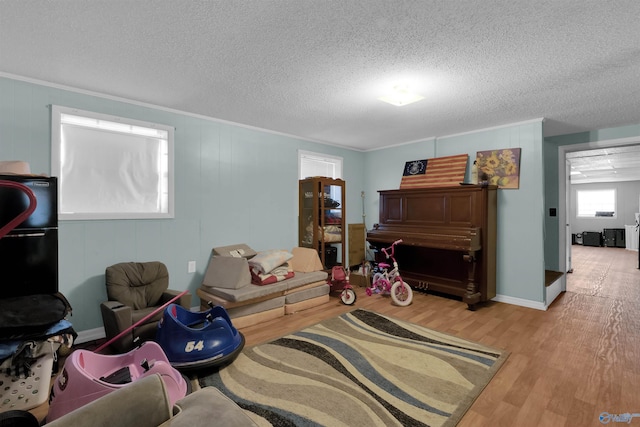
(359, 369)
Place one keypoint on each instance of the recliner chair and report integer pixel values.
(134, 290)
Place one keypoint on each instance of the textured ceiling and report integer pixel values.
(314, 68)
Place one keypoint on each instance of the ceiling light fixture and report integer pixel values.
(400, 96)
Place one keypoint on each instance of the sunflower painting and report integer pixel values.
(499, 167)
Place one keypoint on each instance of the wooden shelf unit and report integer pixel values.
(322, 218)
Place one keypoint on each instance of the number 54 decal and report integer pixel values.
(192, 345)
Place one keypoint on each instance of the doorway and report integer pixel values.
(606, 273)
(566, 259)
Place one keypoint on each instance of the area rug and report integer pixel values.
(359, 369)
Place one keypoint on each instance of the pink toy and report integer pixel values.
(340, 276)
(390, 282)
(6, 228)
(87, 376)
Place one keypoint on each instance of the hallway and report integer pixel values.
(604, 272)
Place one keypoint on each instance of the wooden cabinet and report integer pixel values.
(449, 238)
(357, 244)
(322, 218)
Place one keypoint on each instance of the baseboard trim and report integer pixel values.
(553, 290)
(90, 335)
(521, 302)
(99, 333)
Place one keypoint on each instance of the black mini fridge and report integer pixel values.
(29, 252)
(30, 304)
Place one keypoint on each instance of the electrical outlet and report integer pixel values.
(191, 267)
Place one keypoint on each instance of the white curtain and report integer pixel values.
(105, 172)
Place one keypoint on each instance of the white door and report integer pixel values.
(567, 215)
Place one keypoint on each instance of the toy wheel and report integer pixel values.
(369, 291)
(383, 286)
(401, 293)
(188, 381)
(376, 278)
(348, 296)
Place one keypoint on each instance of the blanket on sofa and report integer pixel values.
(265, 261)
(271, 266)
(276, 275)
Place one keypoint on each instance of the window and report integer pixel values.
(317, 164)
(596, 203)
(111, 167)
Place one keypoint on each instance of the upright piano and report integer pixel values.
(448, 238)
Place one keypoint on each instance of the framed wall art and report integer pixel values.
(435, 172)
(499, 167)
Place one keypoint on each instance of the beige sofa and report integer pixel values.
(227, 283)
(145, 403)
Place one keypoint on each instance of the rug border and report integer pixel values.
(464, 407)
(505, 353)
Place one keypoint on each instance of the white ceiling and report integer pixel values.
(314, 68)
(612, 164)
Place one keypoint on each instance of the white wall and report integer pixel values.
(627, 193)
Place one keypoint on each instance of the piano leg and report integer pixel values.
(472, 297)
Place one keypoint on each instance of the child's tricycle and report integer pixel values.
(340, 277)
(389, 281)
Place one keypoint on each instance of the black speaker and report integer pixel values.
(614, 237)
(621, 238)
(330, 256)
(609, 237)
(591, 238)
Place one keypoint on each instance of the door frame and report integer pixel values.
(564, 188)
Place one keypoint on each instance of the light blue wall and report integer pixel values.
(520, 250)
(232, 185)
(239, 185)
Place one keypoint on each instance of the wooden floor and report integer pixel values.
(567, 365)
